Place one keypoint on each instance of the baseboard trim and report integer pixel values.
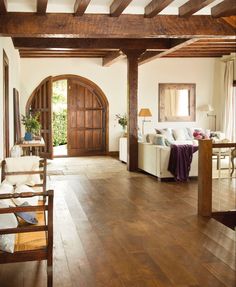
(113, 153)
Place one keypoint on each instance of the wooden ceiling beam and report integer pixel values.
(155, 7)
(145, 59)
(80, 7)
(111, 58)
(118, 6)
(3, 6)
(224, 9)
(72, 43)
(42, 6)
(61, 25)
(192, 6)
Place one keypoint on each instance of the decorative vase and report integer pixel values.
(28, 136)
(124, 131)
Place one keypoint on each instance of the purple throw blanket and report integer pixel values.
(180, 160)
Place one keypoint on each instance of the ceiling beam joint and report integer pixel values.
(42, 6)
(192, 6)
(80, 7)
(155, 7)
(118, 6)
(224, 9)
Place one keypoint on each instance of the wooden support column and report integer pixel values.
(205, 178)
(132, 105)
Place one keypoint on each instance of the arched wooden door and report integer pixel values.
(87, 115)
(87, 118)
(40, 102)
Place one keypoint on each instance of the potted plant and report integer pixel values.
(32, 126)
(122, 120)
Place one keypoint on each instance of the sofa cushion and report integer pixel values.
(167, 133)
(159, 140)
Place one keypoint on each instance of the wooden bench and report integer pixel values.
(33, 242)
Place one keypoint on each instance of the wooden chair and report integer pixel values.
(33, 242)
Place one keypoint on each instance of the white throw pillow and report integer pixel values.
(179, 134)
(8, 220)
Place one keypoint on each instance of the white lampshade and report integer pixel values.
(206, 108)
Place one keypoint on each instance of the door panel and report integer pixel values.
(86, 120)
(40, 101)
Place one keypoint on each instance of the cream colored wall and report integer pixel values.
(199, 71)
(113, 81)
(14, 70)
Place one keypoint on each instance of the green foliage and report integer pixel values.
(59, 128)
(122, 120)
(31, 123)
(59, 92)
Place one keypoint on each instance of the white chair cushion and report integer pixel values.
(8, 220)
(25, 163)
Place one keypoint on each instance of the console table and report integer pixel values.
(31, 147)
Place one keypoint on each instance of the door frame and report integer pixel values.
(95, 87)
(6, 136)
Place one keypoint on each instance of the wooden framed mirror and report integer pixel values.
(177, 103)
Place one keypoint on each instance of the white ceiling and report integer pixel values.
(99, 6)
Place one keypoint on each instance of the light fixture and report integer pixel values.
(144, 113)
(208, 108)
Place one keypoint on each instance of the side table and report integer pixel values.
(31, 147)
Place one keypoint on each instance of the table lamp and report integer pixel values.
(144, 113)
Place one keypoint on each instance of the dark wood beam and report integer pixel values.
(3, 6)
(80, 7)
(111, 58)
(62, 25)
(192, 6)
(148, 57)
(155, 7)
(224, 9)
(42, 6)
(132, 142)
(231, 20)
(118, 6)
(73, 43)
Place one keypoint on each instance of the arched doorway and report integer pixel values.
(87, 115)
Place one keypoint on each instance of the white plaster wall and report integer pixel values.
(14, 71)
(199, 71)
(113, 81)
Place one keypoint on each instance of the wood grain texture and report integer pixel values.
(205, 178)
(126, 26)
(224, 9)
(192, 6)
(155, 7)
(118, 6)
(42, 6)
(132, 100)
(80, 7)
(90, 44)
(3, 6)
(113, 228)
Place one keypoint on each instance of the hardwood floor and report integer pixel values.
(119, 229)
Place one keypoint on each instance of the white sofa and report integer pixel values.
(154, 159)
(154, 155)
